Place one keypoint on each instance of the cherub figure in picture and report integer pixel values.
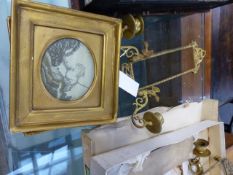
(62, 70)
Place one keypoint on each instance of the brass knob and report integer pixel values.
(153, 122)
(132, 26)
(201, 149)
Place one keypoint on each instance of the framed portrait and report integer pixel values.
(64, 67)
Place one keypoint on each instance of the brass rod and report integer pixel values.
(167, 79)
(164, 53)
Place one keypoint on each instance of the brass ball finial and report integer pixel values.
(132, 26)
(152, 121)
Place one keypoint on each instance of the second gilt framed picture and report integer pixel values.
(64, 67)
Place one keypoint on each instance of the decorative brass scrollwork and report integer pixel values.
(140, 102)
(127, 68)
(142, 99)
(129, 51)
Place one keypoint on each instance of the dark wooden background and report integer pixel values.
(147, 6)
(222, 58)
(167, 32)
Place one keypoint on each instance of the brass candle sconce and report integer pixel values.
(151, 90)
(200, 150)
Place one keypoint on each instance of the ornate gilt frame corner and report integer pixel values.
(33, 26)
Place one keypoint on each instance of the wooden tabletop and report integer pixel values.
(229, 146)
(229, 140)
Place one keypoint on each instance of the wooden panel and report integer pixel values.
(222, 66)
(152, 6)
(192, 29)
(163, 33)
(167, 32)
(208, 58)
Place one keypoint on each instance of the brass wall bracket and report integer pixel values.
(200, 150)
(151, 90)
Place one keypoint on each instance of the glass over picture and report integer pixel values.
(67, 69)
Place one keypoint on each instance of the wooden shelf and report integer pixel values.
(150, 6)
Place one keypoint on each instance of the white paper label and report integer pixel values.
(128, 84)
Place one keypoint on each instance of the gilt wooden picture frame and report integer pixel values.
(64, 67)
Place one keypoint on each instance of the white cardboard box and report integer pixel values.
(100, 161)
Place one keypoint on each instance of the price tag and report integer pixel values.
(128, 84)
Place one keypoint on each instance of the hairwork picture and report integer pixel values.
(67, 69)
